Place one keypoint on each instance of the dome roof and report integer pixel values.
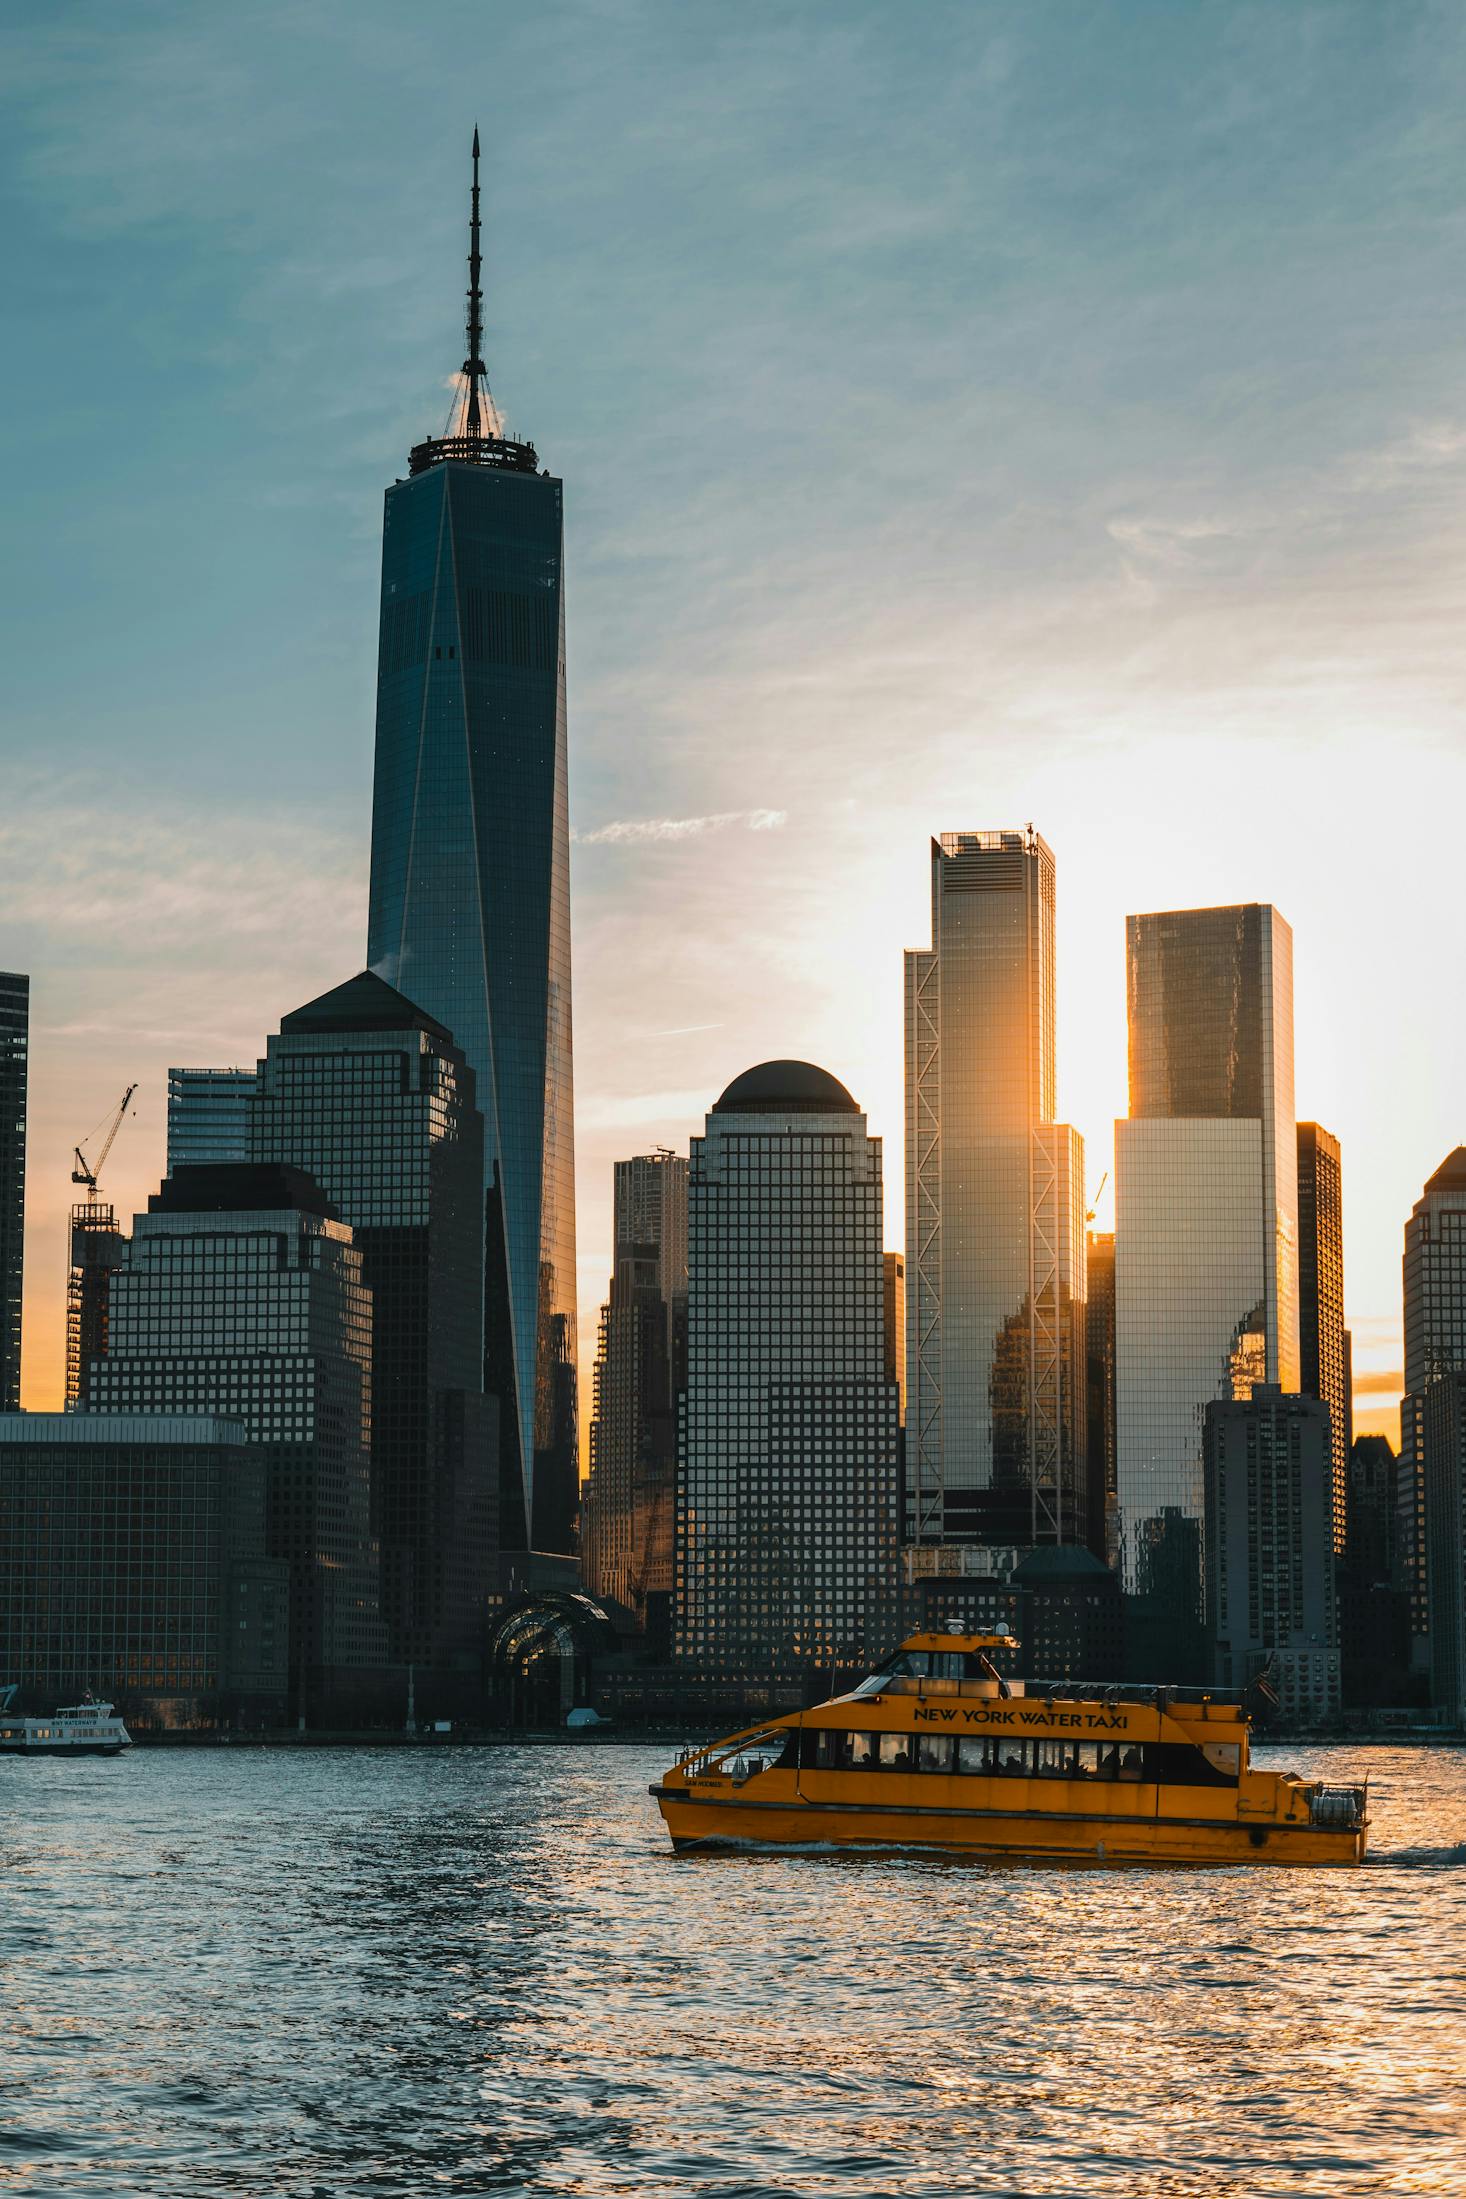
(786, 1087)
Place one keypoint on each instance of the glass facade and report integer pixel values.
(629, 1503)
(1269, 1511)
(208, 1116)
(470, 905)
(1435, 1344)
(1206, 1231)
(132, 1562)
(995, 1255)
(1322, 1358)
(1440, 1431)
(240, 1296)
(15, 1004)
(374, 1101)
(788, 1490)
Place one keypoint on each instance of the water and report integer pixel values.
(481, 1971)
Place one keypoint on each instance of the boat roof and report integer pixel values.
(966, 1642)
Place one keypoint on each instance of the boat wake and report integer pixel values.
(1418, 1859)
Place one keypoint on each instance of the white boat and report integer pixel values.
(87, 1728)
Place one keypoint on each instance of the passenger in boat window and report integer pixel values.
(1055, 1758)
(1014, 1757)
(862, 1751)
(1086, 1759)
(934, 1752)
(974, 1753)
(895, 1752)
(1131, 1762)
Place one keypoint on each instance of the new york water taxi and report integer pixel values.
(937, 1749)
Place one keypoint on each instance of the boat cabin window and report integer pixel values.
(1011, 1756)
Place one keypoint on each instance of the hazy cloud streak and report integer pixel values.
(629, 830)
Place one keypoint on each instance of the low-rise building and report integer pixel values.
(133, 1562)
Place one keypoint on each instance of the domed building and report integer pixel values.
(788, 1501)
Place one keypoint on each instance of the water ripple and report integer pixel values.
(366, 1975)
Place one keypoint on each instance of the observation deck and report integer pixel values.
(473, 450)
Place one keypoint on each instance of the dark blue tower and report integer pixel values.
(470, 885)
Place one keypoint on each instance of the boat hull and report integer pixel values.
(739, 1822)
(65, 1748)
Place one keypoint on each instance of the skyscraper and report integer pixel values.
(373, 1100)
(1323, 1370)
(15, 1003)
(470, 881)
(629, 1505)
(1269, 1502)
(208, 1117)
(1099, 1333)
(1440, 1434)
(1206, 1236)
(1435, 1345)
(787, 1497)
(240, 1295)
(995, 1407)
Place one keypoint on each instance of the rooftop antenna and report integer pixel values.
(473, 366)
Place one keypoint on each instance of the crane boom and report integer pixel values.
(84, 1172)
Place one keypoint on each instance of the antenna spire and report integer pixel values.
(473, 366)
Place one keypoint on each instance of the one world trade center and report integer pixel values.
(470, 881)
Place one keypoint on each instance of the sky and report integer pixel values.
(969, 414)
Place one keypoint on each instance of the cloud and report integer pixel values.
(1390, 1384)
(630, 829)
(157, 877)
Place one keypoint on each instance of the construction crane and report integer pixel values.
(83, 1172)
(1089, 1217)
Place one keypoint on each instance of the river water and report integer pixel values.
(374, 1973)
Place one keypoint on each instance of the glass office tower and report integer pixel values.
(1435, 1345)
(995, 1252)
(15, 1002)
(470, 884)
(208, 1117)
(626, 1521)
(1206, 1233)
(788, 1508)
(1322, 1342)
(373, 1100)
(241, 1295)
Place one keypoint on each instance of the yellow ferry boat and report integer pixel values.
(937, 1750)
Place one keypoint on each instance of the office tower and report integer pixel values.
(1206, 1237)
(1269, 1509)
(1435, 1344)
(1322, 1371)
(240, 1295)
(629, 1508)
(1440, 1433)
(1099, 1335)
(1374, 1609)
(893, 1321)
(15, 1004)
(373, 1100)
(995, 1420)
(133, 1562)
(208, 1117)
(470, 883)
(787, 1495)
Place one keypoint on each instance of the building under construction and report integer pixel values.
(96, 1253)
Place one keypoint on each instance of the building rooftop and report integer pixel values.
(85, 1427)
(786, 1087)
(1451, 1175)
(364, 1003)
(240, 1187)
